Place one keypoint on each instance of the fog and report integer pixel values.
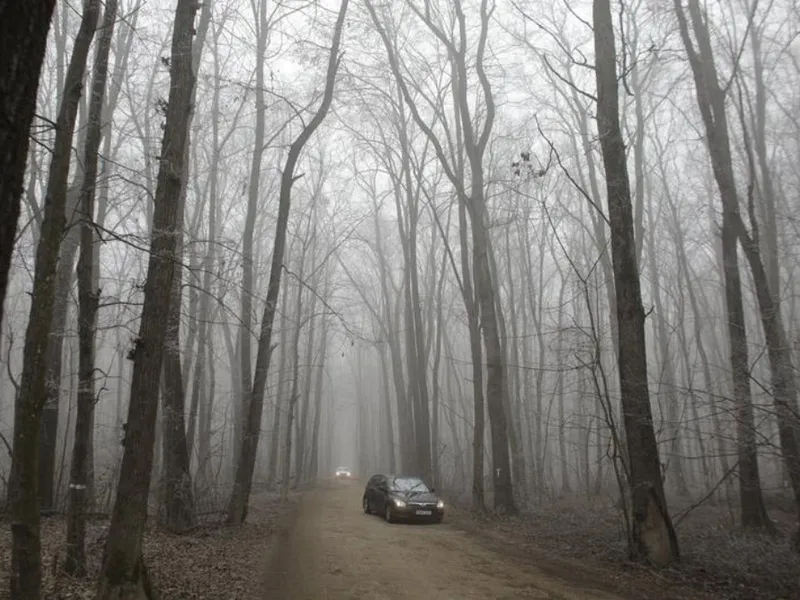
(540, 254)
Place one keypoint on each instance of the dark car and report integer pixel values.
(400, 497)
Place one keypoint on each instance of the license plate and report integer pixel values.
(424, 512)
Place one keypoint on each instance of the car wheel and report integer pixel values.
(365, 503)
(388, 514)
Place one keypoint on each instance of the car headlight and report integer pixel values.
(399, 503)
(440, 504)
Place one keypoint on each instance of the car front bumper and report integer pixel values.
(411, 512)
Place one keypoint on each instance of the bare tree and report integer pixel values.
(178, 498)
(472, 194)
(652, 534)
(25, 552)
(23, 35)
(261, 19)
(88, 298)
(124, 574)
(237, 506)
(711, 99)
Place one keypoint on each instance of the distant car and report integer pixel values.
(402, 498)
(343, 473)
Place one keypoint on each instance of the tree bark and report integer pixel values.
(652, 536)
(48, 430)
(23, 37)
(178, 515)
(23, 485)
(88, 299)
(124, 574)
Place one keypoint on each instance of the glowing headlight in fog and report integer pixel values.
(440, 504)
(399, 503)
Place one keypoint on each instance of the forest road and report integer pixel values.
(333, 551)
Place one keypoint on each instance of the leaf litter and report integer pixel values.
(212, 561)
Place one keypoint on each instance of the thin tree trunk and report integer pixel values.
(124, 574)
(652, 535)
(246, 327)
(667, 380)
(286, 467)
(48, 431)
(24, 481)
(566, 489)
(313, 462)
(237, 507)
(88, 299)
(275, 435)
(711, 102)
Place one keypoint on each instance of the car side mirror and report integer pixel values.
(433, 490)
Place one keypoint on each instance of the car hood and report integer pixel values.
(426, 497)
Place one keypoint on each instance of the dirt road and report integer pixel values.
(336, 552)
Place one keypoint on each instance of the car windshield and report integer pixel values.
(409, 484)
(342, 469)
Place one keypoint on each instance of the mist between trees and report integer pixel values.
(536, 252)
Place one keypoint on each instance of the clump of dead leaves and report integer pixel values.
(210, 562)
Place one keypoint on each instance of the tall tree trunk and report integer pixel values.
(246, 327)
(48, 431)
(652, 536)
(675, 470)
(178, 515)
(476, 354)
(437, 359)
(313, 461)
(23, 37)
(176, 489)
(391, 305)
(387, 399)
(277, 412)
(711, 101)
(294, 396)
(473, 194)
(517, 451)
(418, 363)
(237, 507)
(305, 402)
(88, 299)
(698, 330)
(566, 489)
(205, 420)
(24, 483)
(124, 574)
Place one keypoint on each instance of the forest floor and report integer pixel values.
(717, 561)
(211, 562)
(321, 546)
